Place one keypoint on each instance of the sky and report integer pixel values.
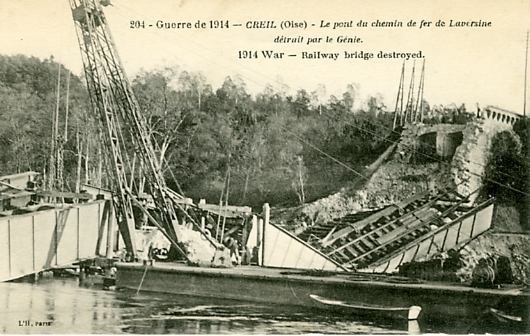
(463, 65)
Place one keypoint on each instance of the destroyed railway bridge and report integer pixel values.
(46, 237)
(42, 237)
(37, 238)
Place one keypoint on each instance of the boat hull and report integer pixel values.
(439, 302)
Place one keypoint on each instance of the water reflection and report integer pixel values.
(59, 306)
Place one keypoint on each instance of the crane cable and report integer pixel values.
(342, 164)
(436, 159)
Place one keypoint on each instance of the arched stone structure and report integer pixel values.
(499, 115)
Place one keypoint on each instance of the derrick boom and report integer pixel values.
(116, 107)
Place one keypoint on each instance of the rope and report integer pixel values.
(292, 291)
(276, 81)
(321, 151)
(142, 281)
(431, 157)
(264, 85)
(378, 123)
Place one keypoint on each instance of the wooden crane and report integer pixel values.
(115, 105)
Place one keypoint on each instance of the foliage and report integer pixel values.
(508, 169)
(446, 114)
(276, 146)
(272, 144)
(27, 102)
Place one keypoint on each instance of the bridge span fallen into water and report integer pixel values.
(42, 237)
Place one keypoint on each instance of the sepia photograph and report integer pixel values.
(264, 167)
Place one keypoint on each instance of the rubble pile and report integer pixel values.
(199, 249)
(415, 168)
(515, 247)
(393, 182)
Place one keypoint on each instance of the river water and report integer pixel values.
(61, 305)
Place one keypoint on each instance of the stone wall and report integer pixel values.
(416, 166)
(429, 143)
(471, 158)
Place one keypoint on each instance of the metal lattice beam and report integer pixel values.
(115, 104)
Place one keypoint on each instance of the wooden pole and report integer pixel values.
(410, 96)
(61, 142)
(266, 217)
(55, 122)
(111, 229)
(226, 205)
(525, 73)
(67, 106)
(257, 230)
(399, 97)
(419, 104)
(79, 158)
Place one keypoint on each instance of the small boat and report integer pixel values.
(410, 313)
(505, 318)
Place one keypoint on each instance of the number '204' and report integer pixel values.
(137, 24)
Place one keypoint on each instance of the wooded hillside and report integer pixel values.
(272, 147)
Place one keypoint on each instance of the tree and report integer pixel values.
(318, 97)
(299, 178)
(507, 169)
(27, 102)
(349, 97)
